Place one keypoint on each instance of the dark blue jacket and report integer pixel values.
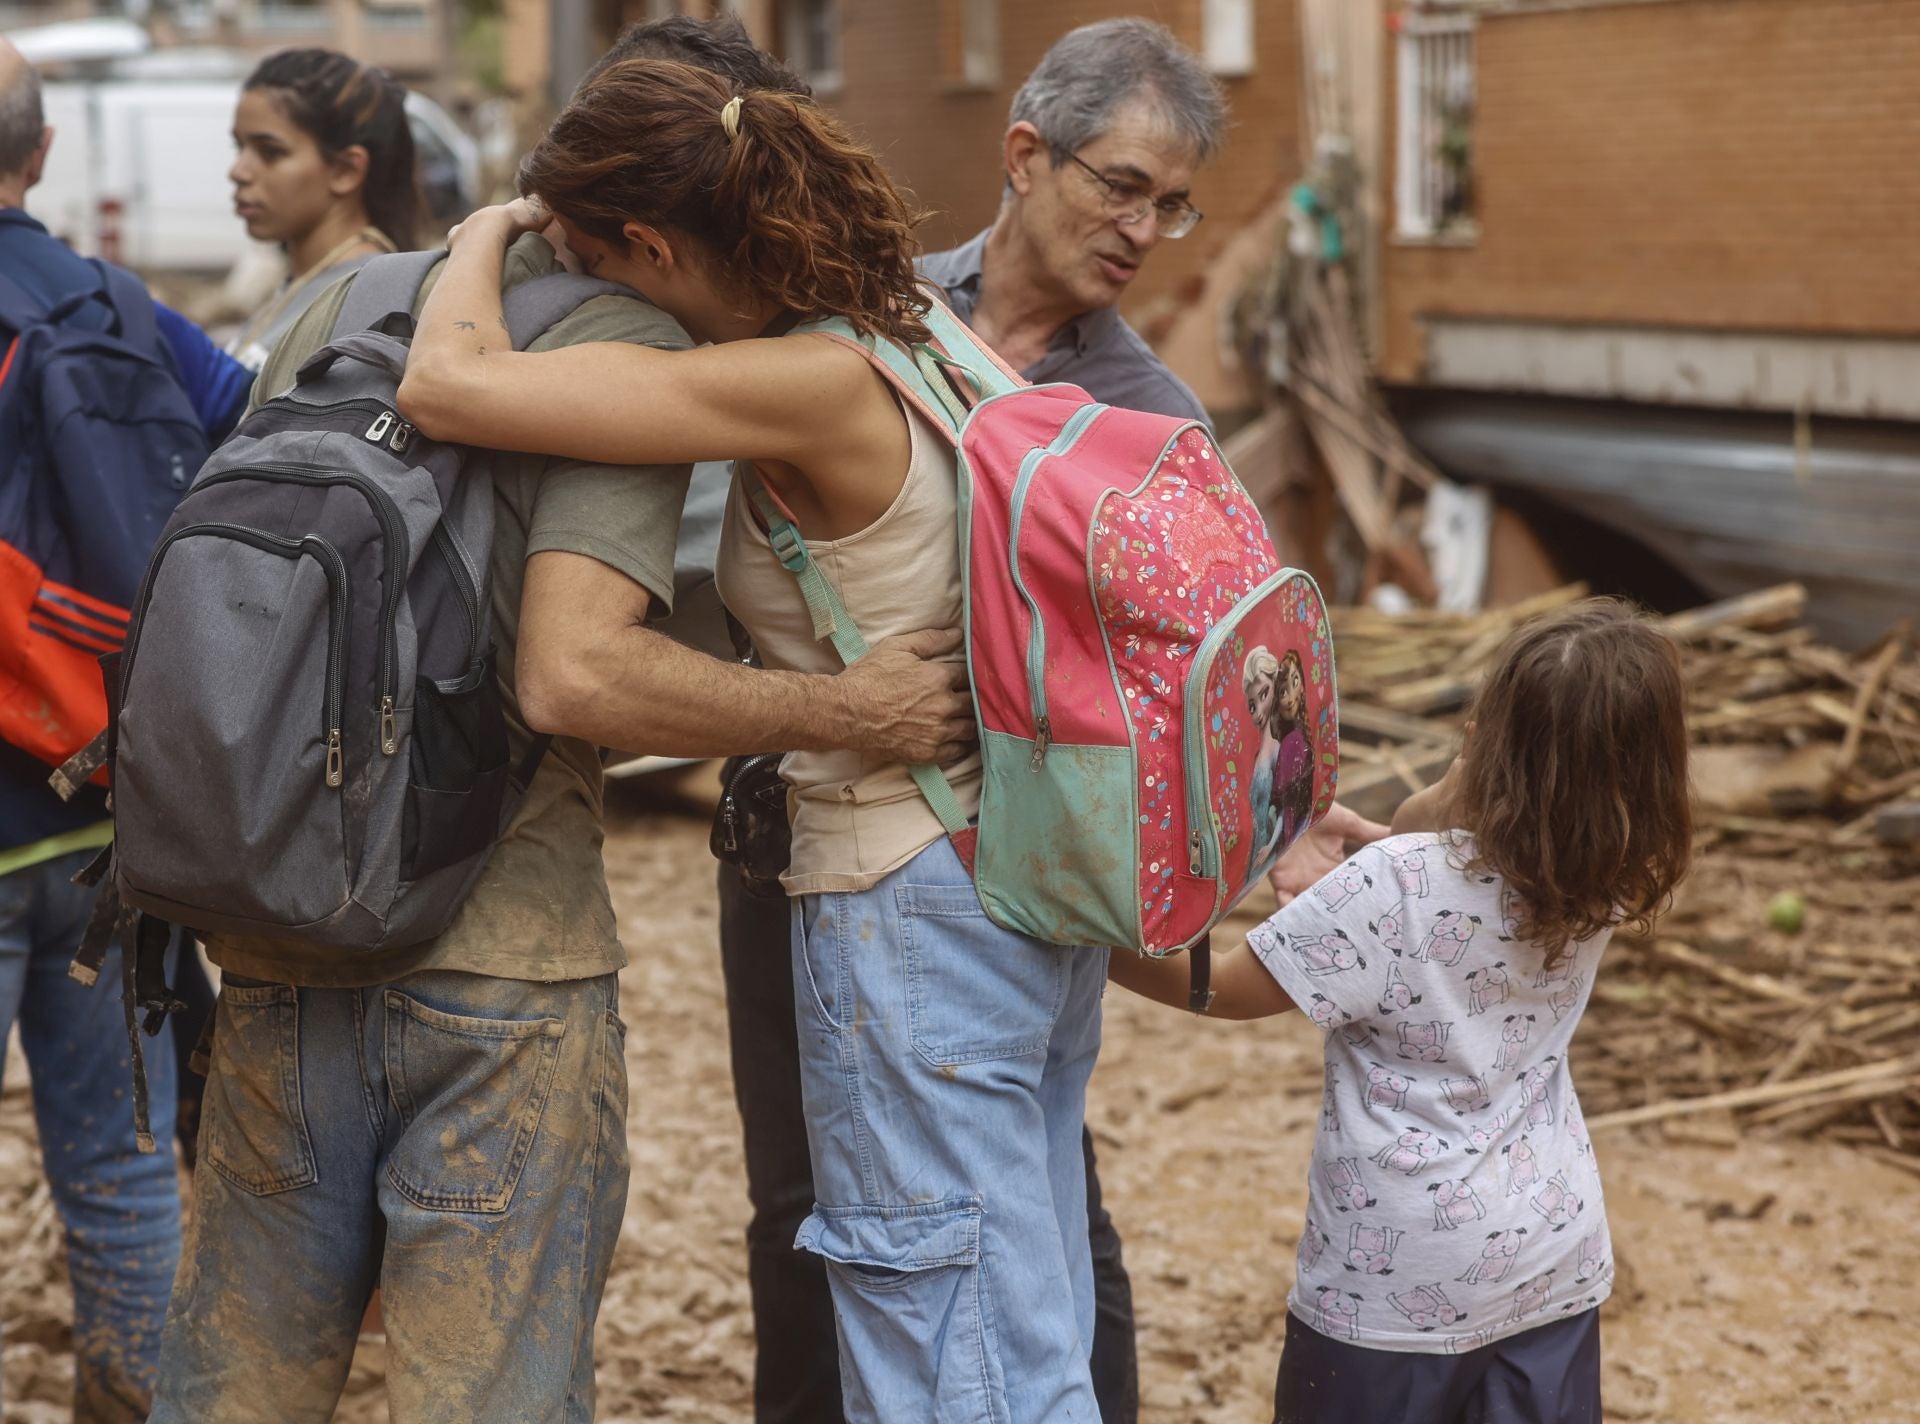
(217, 385)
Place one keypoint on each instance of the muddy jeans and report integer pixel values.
(796, 1372)
(120, 1207)
(457, 1139)
(944, 1065)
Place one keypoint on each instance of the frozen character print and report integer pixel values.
(1398, 995)
(1328, 953)
(1337, 1313)
(1563, 1001)
(1455, 1205)
(1410, 873)
(1497, 1258)
(1557, 1202)
(1593, 1259)
(1514, 1033)
(1313, 1245)
(1523, 1166)
(1530, 1298)
(1343, 1180)
(1425, 1042)
(1387, 1089)
(1338, 887)
(1427, 1308)
(1533, 1092)
(1447, 938)
(1293, 763)
(1487, 988)
(1259, 679)
(1370, 1249)
(1465, 1095)
(1410, 1152)
(1389, 929)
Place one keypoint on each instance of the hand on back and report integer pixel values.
(912, 695)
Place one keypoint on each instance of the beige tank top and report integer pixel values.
(856, 818)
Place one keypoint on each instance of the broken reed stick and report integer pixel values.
(1839, 1097)
(1764, 985)
(1870, 690)
(1767, 607)
(1797, 1088)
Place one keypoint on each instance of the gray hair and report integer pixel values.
(1090, 72)
(22, 120)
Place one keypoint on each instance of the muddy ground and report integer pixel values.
(1768, 1283)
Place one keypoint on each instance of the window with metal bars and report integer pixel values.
(1434, 193)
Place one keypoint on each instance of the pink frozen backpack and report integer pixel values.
(1155, 692)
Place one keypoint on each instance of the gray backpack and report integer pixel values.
(310, 741)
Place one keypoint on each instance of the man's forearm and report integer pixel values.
(646, 693)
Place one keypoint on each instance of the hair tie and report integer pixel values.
(730, 117)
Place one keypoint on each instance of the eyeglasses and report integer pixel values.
(1128, 203)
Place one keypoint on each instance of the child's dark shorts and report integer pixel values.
(1547, 1375)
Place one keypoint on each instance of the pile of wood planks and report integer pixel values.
(1806, 763)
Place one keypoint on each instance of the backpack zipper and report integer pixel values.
(1202, 848)
(464, 584)
(389, 427)
(394, 533)
(1068, 437)
(335, 569)
(729, 817)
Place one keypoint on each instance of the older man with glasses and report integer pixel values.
(1103, 141)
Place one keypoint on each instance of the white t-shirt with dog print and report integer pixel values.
(1454, 1198)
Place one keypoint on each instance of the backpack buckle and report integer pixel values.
(788, 547)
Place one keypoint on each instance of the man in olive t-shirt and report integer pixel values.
(448, 1121)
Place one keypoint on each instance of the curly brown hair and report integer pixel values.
(1574, 780)
(792, 209)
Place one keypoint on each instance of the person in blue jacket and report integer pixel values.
(120, 1208)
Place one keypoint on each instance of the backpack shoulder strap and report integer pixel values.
(943, 378)
(832, 621)
(386, 286)
(132, 306)
(19, 309)
(533, 308)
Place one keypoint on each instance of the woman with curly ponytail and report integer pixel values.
(944, 1059)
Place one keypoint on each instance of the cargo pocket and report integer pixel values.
(915, 1320)
(457, 773)
(975, 991)
(471, 1093)
(256, 1128)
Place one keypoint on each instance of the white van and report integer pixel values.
(142, 143)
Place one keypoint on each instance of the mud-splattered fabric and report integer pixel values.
(1454, 1198)
(456, 1138)
(944, 1065)
(119, 1207)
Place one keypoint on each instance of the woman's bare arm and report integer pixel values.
(608, 402)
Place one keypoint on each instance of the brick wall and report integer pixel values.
(943, 141)
(1730, 164)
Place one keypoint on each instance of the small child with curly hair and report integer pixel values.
(1456, 1246)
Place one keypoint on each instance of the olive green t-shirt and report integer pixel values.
(540, 909)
